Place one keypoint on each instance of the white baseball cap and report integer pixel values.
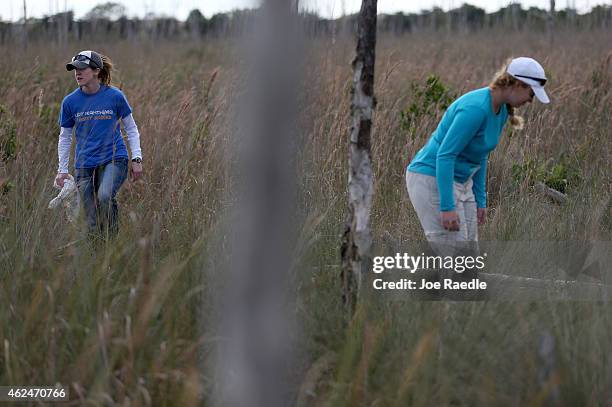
(529, 71)
(85, 59)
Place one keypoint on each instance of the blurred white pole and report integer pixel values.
(254, 359)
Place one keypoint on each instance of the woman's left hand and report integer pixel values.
(136, 171)
(481, 214)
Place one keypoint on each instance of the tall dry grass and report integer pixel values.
(127, 321)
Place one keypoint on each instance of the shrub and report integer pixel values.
(8, 135)
(429, 98)
(560, 176)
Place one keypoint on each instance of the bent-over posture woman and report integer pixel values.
(446, 180)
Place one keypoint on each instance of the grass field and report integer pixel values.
(126, 322)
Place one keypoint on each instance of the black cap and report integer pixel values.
(85, 59)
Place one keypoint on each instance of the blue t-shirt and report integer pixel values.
(96, 121)
(460, 146)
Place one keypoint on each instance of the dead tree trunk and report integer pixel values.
(63, 22)
(551, 24)
(357, 238)
(25, 26)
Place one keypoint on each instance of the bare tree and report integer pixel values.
(25, 25)
(63, 21)
(357, 238)
(551, 23)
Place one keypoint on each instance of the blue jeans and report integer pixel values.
(98, 187)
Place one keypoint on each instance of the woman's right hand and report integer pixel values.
(60, 178)
(450, 221)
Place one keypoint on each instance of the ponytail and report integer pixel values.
(105, 71)
(517, 122)
(503, 79)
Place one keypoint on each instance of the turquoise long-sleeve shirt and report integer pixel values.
(459, 148)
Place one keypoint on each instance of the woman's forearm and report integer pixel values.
(133, 136)
(63, 148)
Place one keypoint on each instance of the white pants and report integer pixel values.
(424, 195)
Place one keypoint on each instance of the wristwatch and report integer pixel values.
(137, 160)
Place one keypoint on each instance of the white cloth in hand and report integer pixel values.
(68, 197)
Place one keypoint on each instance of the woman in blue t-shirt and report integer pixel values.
(94, 110)
(446, 180)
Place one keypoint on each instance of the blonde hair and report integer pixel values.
(105, 72)
(502, 80)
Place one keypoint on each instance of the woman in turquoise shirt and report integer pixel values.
(446, 180)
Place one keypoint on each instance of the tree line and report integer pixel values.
(109, 20)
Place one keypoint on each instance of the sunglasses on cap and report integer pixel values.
(85, 58)
(541, 81)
